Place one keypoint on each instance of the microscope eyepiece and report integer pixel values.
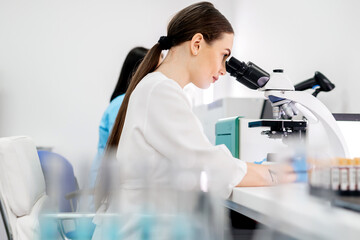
(323, 82)
(248, 74)
(319, 80)
(235, 67)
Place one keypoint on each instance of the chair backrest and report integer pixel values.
(59, 179)
(22, 184)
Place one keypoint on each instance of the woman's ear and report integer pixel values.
(195, 44)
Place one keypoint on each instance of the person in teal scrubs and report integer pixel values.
(132, 61)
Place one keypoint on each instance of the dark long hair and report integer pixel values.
(201, 18)
(131, 63)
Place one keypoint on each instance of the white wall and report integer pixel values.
(303, 37)
(60, 60)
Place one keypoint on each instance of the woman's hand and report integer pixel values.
(267, 175)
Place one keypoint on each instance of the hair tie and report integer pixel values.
(165, 42)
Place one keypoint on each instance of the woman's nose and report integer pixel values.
(223, 70)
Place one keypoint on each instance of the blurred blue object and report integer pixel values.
(261, 161)
(61, 183)
(300, 167)
(59, 179)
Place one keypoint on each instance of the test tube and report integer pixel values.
(357, 167)
(352, 176)
(335, 175)
(344, 175)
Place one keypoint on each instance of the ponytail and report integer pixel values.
(104, 179)
(148, 65)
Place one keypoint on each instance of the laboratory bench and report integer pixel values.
(291, 210)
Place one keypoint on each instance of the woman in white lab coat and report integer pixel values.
(156, 128)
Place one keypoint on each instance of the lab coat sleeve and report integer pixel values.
(174, 131)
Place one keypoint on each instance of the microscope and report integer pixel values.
(316, 123)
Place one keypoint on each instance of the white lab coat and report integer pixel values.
(161, 135)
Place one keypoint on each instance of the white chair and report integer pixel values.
(22, 186)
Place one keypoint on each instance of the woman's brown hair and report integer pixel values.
(200, 17)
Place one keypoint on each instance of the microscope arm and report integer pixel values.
(320, 111)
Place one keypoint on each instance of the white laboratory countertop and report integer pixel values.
(290, 209)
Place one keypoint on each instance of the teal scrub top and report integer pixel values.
(106, 124)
